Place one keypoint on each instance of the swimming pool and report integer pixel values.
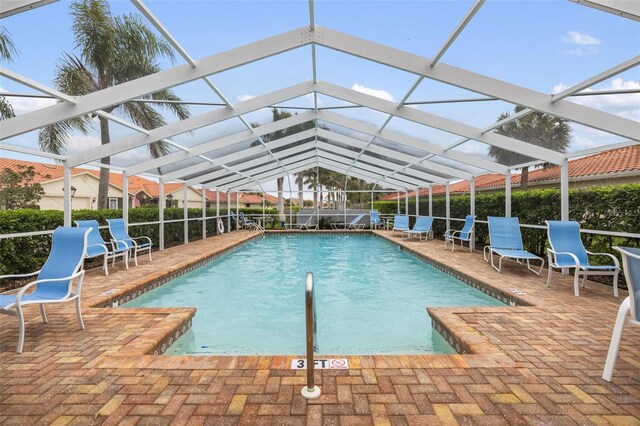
(371, 298)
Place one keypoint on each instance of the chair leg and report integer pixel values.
(43, 313)
(576, 282)
(125, 256)
(105, 264)
(550, 273)
(79, 313)
(20, 328)
(615, 283)
(149, 254)
(623, 312)
(135, 256)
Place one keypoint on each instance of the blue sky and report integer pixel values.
(542, 45)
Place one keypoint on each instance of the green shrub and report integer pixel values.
(27, 254)
(613, 208)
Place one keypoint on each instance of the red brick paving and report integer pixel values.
(537, 364)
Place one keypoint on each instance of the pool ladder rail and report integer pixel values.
(310, 391)
(258, 228)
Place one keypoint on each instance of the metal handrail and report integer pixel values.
(310, 391)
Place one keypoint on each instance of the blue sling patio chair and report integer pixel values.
(375, 221)
(54, 282)
(96, 246)
(505, 240)
(629, 311)
(120, 236)
(567, 251)
(400, 223)
(462, 235)
(234, 220)
(246, 223)
(422, 227)
(350, 225)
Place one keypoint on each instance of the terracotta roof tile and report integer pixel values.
(609, 162)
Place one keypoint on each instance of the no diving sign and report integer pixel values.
(321, 364)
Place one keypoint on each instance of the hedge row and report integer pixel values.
(27, 254)
(604, 208)
(615, 208)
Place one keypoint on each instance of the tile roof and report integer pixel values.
(611, 162)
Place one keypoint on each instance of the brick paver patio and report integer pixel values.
(539, 363)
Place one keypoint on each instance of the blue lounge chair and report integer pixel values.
(120, 236)
(375, 220)
(421, 227)
(629, 311)
(464, 234)
(96, 246)
(246, 223)
(351, 225)
(400, 223)
(567, 251)
(54, 283)
(505, 240)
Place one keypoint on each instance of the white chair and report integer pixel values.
(629, 311)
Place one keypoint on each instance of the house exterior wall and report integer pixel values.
(85, 196)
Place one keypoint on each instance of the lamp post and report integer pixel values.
(170, 200)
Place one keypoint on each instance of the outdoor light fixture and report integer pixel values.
(73, 190)
(170, 200)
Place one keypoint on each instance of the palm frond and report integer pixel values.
(95, 36)
(73, 78)
(6, 110)
(55, 137)
(7, 48)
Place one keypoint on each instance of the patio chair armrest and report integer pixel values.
(19, 275)
(33, 283)
(452, 232)
(615, 259)
(143, 237)
(556, 253)
(114, 244)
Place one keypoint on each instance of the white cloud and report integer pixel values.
(625, 105)
(25, 105)
(580, 39)
(378, 93)
(586, 44)
(243, 98)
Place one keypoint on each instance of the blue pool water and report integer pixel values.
(371, 298)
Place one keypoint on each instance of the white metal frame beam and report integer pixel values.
(401, 138)
(152, 83)
(629, 9)
(13, 7)
(441, 123)
(204, 148)
(239, 155)
(191, 123)
(479, 83)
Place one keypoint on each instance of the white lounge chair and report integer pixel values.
(350, 225)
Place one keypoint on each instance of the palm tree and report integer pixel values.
(537, 128)
(113, 50)
(7, 52)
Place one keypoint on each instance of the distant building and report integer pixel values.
(141, 191)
